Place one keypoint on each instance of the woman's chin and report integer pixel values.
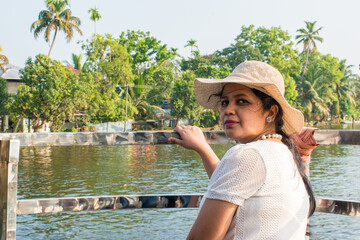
(230, 133)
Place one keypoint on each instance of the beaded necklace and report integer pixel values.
(274, 136)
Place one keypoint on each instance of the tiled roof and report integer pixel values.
(73, 69)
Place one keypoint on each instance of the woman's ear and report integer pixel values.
(274, 109)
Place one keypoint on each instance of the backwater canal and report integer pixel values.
(54, 172)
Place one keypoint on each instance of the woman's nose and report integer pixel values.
(229, 109)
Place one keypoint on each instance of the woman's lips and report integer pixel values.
(230, 123)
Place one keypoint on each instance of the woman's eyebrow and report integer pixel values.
(235, 96)
(240, 95)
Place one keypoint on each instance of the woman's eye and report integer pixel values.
(224, 103)
(241, 101)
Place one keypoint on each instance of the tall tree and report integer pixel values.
(49, 93)
(56, 17)
(345, 89)
(346, 85)
(3, 94)
(94, 16)
(111, 59)
(205, 66)
(192, 44)
(309, 99)
(308, 37)
(148, 55)
(183, 101)
(3, 60)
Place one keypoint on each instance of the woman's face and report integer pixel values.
(242, 114)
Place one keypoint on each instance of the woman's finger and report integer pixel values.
(174, 140)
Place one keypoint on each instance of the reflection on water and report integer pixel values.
(108, 170)
(334, 172)
(347, 126)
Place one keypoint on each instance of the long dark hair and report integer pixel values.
(267, 102)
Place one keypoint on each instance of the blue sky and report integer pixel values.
(214, 24)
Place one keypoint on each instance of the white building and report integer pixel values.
(12, 76)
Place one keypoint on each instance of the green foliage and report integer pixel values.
(102, 102)
(107, 56)
(192, 44)
(206, 66)
(4, 96)
(49, 93)
(111, 62)
(148, 59)
(161, 83)
(94, 16)
(147, 53)
(184, 104)
(209, 118)
(130, 75)
(56, 17)
(308, 37)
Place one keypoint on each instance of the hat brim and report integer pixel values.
(206, 91)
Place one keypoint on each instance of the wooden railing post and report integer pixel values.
(9, 158)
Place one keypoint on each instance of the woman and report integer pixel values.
(259, 189)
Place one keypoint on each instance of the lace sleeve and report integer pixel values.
(238, 176)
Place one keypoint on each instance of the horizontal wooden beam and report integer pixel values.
(154, 137)
(55, 205)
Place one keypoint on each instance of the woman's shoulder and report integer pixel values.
(265, 144)
(263, 148)
(259, 144)
(242, 150)
(260, 148)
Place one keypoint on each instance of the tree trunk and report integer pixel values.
(306, 61)
(126, 106)
(5, 123)
(52, 44)
(37, 125)
(17, 123)
(2, 67)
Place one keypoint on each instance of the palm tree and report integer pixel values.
(56, 17)
(76, 61)
(310, 92)
(345, 88)
(192, 44)
(95, 16)
(308, 37)
(3, 60)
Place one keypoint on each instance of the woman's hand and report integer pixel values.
(191, 138)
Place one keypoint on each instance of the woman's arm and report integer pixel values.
(193, 138)
(213, 220)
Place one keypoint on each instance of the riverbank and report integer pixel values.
(330, 125)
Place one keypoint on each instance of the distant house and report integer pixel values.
(12, 76)
(74, 70)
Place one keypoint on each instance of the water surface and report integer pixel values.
(46, 172)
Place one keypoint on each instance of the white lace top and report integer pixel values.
(262, 178)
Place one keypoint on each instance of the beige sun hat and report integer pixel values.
(257, 75)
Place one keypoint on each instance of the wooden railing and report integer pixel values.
(9, 159)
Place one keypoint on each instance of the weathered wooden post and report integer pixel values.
(9, 158)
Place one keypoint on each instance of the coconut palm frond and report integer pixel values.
(55, 18)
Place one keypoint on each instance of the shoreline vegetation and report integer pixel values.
(136, 76)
